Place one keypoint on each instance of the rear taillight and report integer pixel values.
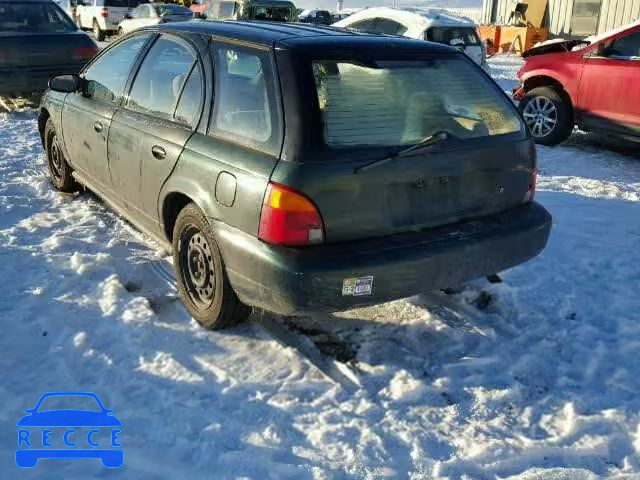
(104, 13)
(84, 53)
(533, 155)
(289, 218)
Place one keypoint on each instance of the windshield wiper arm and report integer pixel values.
(425, 142)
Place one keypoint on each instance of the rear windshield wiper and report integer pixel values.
(424, 143)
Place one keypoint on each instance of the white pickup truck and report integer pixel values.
(103, 16)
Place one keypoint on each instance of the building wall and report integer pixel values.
(474, 13)
(613, 13)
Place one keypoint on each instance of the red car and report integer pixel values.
(593, 83)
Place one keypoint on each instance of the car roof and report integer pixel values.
(413, 16)
(297, 35)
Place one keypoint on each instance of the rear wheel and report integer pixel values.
(202, 280)
(120, 31)
(548, 115)
(59, 169)
(97, 32)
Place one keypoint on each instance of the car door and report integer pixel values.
(149, 132)
(149, 16)
(608, 95)
(86, 115)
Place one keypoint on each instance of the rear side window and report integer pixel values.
(389, 103)
(162, 75)
(363, 26)
(245, 110)
(107, 76)
(38, 18)
(454, 36)
(389, 27)
(192, 95)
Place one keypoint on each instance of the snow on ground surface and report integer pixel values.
(541, 384)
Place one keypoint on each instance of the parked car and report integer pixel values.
(591, 83)
(337, 16)
(318, 17)
(428, 24)
(37, 41)
(103, 16)
(317, 170)
(69, 7)
(152, 14)
(272, 10)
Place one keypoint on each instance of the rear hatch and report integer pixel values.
(40, 35)
(372, 179)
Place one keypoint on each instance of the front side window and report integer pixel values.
(107, 76)
(400, 102)
(162, 75)
(454, 36)
(627, 46)
(245, 108)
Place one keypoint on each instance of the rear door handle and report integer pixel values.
(97, 126)
(158, 152)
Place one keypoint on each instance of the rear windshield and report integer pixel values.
(389, 103)
(34, 18)
(454, 36)
(124, 3)
(170, 9)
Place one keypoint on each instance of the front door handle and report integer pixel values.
(97, 126)
(158, 152)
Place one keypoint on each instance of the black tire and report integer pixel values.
(561, 112)
(98, 33)
(59, 169)
(203, 284)
(120, 32)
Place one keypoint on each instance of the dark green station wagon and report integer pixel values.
(296, 168)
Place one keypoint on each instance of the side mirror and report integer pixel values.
(127, 16)
(65, 83)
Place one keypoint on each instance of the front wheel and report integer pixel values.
(59, 169)
(98, 33)
(120, 32)
(202, 280)
(548, 115)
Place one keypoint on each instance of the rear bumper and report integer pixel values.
(297, 281)
(32, 79)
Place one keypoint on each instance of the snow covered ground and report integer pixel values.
(542, 383)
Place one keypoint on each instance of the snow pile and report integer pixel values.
(532, 378)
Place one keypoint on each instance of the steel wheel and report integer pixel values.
(197, 267)
(56, 159)
(541, 116)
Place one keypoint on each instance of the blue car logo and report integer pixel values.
(91, 432)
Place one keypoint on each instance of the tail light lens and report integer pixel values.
(289, 218)
(84, 53)
(104, 13)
